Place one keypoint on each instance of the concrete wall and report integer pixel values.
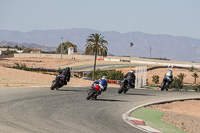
(111, 58)
(64, 56)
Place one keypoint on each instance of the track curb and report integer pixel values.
(140, 124)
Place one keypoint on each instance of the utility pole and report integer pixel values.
(131, 44)
(194, 53)
(150, 51)
(61, 48)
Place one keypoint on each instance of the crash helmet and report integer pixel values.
(104, 77)
(60, 71)
(131, 71)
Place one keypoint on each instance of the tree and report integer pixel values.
(181, 76)
(22, 47)
(155, 79)
(16, 46)
(96, 45)
(65, 47)
(195, 76)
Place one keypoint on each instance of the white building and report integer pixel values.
(5, 49)
(70, 50)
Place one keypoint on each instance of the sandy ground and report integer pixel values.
(19, 78)
(62, 63)
(50, 63)
(183, 114)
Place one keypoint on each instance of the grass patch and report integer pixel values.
(80, 66)
(114, 67)
(153, 119)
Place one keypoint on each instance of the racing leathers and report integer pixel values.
(169, 77)
(65, 75)
(102, 83)
(130, 76)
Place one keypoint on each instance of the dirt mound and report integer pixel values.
(182, 114)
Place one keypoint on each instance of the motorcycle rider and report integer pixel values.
(65, 74)
(169, 75)
(130, 76)
(102, 83)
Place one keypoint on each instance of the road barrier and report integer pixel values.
(108, 59)
(141, 76)
(113, 81)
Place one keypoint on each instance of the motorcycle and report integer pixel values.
(125, 86)
(167, 80)
(93, 93)
(57, 83)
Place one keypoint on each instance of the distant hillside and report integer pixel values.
(163, 46)
(27, 45)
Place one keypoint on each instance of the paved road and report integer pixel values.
(40, 110)
(98, 66)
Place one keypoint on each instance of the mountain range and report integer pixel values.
(178, 48)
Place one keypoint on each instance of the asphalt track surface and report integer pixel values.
(40, 110)
(98, 66)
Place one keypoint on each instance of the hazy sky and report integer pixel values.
(174, 17)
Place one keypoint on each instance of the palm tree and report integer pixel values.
(96, 45)
(195, 75)
(181, 76)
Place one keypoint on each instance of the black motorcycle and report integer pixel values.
(93, 93)
(166, 83)
(57, 83)
(125, 85)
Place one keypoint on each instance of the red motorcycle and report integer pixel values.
(94, 92)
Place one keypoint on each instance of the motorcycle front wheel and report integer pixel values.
(90, 95)
(163, 86)
(120, 89)
(54, 85)
(125, 90)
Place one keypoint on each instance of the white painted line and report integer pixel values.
(126, 116)
(148, 128)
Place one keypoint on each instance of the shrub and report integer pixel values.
(113, 74)
(191, 69)
(21, 66)
(196, 87)
(177, 83)
(155, 79)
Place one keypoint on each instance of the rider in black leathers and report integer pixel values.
(130, 76)
(65, 73)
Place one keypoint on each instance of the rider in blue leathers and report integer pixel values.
(102, 83)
